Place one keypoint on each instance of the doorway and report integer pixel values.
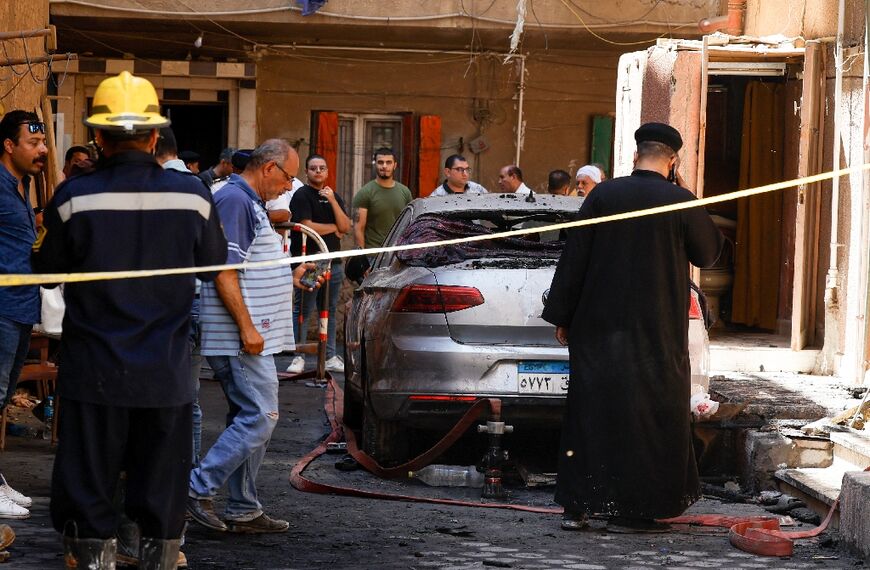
(200, 127)
(752, 136)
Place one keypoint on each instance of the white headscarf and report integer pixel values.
(591, 171)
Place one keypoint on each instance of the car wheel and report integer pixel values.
(353, 411)
(386, 441)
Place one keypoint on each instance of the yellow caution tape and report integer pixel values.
(50, 278)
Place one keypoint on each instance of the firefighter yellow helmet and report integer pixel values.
(126, 103)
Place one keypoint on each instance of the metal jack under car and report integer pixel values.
(430, 331)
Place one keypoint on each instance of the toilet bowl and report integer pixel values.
(717, 280)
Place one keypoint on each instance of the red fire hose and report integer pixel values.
(334, 404)
(759, 535)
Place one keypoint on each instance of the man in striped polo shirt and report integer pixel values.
(245, 319)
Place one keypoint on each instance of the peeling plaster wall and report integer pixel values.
(563, 92)
(810, 19)
(671, 84)
(845, 322)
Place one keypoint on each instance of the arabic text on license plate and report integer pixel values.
(542, 377)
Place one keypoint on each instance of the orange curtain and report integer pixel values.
(759, 218)
(429, 158)
(407, 163)
(327, 143)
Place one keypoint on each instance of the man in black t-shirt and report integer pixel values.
(317, 206)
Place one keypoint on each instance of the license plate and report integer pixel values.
(542, 377)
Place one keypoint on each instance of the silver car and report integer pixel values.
(430, 331)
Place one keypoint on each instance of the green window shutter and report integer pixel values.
(602, 142)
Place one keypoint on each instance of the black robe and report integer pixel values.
(622, 289)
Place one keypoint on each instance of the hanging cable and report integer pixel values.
(603, 39)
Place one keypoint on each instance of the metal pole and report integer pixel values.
(831, 299)
(522, 91)
(323, 322)
(25, 34)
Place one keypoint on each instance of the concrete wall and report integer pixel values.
(644, 15)
(563, 91)
(810, 19)
(845, 322)
(20, 15)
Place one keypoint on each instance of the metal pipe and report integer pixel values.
(733, 22)
(39, 59)
(321, 345)
(522, 91)
(833, 272)
(25, 34)
(390, 50)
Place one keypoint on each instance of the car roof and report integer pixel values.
(494, 202)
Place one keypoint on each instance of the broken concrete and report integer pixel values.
(855, 512)
(769, 451)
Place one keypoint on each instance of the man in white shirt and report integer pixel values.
(456, 174)
(510, 180)
(279, 208)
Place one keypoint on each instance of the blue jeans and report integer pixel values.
(250, 383)
(14, 343)
(195, 370)
(305, 303)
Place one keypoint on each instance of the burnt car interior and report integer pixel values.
(436, 227)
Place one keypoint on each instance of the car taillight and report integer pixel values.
(694, 308)
(436, 299)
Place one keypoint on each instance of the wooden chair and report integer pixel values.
(44, 375)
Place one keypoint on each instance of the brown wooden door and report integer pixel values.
(806, 255)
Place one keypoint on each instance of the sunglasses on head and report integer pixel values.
(34, 127)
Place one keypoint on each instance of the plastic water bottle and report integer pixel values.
(48, 414)
(449, 476)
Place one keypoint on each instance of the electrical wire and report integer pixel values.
(11, 89)
(224, 28)
(9, 65)
(288, 52)
(385, 19)
(122, 52)
(605, 40)
(152, 39)
(535, 16)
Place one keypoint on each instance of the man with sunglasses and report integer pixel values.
(23, 156)
(456, 178)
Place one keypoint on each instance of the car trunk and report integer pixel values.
(513, 292)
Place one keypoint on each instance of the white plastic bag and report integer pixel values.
(700, 403)
(52, 311)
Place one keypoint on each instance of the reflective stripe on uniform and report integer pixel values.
(134, 202)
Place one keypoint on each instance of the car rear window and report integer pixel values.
(543, 246)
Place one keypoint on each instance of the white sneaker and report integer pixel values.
(335, 364)
(17, 498)
(10, 510)
(297, 366)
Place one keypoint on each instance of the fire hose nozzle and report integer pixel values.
(495, 428)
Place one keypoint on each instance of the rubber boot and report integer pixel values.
(158, 554)
(89, 553)
(128, 542)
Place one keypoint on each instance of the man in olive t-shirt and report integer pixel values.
(377, 204)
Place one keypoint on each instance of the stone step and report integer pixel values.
(851, 446)
(822, 484)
